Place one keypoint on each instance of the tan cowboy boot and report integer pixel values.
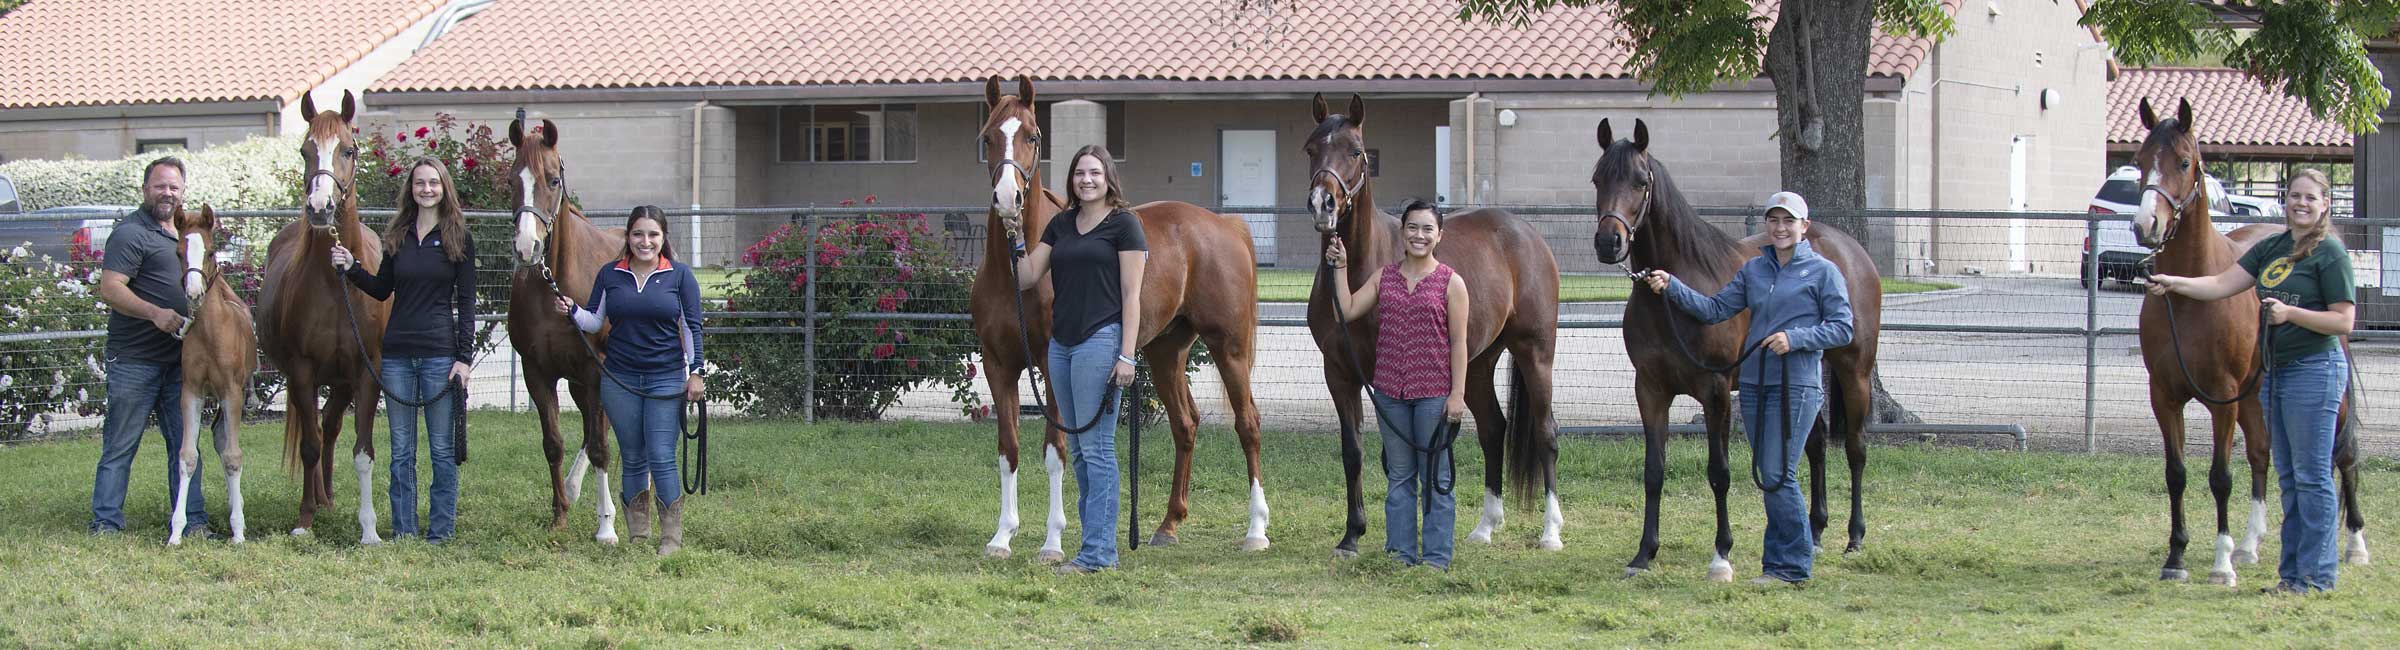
(637, 515)
(670, 525)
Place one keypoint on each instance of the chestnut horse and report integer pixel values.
(558, 252)
(1512, 280)
(302, 329)
(2202, 350)
(1201, 283)
(1646, 224)
(220, 351)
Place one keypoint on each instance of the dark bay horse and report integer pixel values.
(1201, 283)
(558, 252)
(302, 326)
(1645, 223)
(2208, 350)
(220, 351)
(1512, 281)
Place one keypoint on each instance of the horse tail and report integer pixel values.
(292, 430)
(1528, 455)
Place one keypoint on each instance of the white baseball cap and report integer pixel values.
(1789, 202)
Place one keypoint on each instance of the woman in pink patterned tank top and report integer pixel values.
(1419, 380)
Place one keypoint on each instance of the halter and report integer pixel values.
(1642, 213)
(558, 205)
(541, 254)
(2174, 206)
(207, 282)
(1343, 191)
(341, 191)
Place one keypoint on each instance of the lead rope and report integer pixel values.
(1435, 449)
(1758, 455)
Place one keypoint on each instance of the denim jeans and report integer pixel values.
(647, 431)
(137, 392)
(1788, 551)
(1409, 425)
(1079, 377)
(415, 379)
(2304, 402)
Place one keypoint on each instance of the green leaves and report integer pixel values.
(2314, 50)
(1688, 46)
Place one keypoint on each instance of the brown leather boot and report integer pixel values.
(637, 516)
(670, 525)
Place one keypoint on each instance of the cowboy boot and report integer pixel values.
(670, 525)
(637, 516)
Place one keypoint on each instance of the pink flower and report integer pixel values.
(849, 202)
(884, 351)
(403, 137)
(870, 199)
(421, 131)
(911, 364)
(970, 371)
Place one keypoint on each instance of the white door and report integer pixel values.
(1248, 180)
(2019, 200)
(1441, 165)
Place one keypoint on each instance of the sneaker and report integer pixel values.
(106, 531)
(2284, 589)
(1073, 569)
(202, 531)
(1771, 581)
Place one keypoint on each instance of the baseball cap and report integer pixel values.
(1789, 202)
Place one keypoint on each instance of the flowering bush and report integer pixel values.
(40, 379)
(258, 173)
(478, 162)
(866, 268)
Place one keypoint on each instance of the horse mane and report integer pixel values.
(1694, 245)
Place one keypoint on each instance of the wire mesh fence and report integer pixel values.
(858, 312)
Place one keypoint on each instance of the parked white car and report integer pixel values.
(2120, 252)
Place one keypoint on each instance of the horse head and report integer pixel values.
(328, 160)
(1337, 162)
(199, 234)
(2173, 188)
(1625, 182)
(1012, 145)
(539, 181)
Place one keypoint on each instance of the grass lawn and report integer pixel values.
(872, 536)
(1291, 285)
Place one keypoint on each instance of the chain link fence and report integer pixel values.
(858, 312)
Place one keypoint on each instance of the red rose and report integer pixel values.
(421, 131)
(884, 351)
(404, 138)
(394, 171)
(469, 164)
(870, 199)
(848, 202)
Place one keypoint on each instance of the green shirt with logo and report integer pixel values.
(2314, 283)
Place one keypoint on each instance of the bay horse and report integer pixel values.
(559, 252)
(1512, 279)
(1645, 223)
(2200, 350)
(220, 352)
(1201, 283)
(301, 325)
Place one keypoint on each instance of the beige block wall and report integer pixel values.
(111, 138)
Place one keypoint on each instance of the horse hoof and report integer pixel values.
(2359, 558)
(2245, 557)
(1480, 537)
(1051, 556)
(237, 537)
(1344, 554)
(1720, 573)
(299, 532)
(1162, 539)
(606, 540)
(2174, 575)
(1852, 548)
(1634, 572)
(2221, 578)
(1254, 544)
(1552, 544)
(996, 552)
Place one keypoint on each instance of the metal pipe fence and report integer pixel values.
(859, 312)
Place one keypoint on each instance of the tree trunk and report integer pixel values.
(1817, 57)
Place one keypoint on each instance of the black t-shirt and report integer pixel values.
(145, 252)
(434, 314)
(1085, 271)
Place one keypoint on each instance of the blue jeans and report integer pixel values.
(1079, 377)
(415, 379)
(2304, 402)
(647, 431)
(137, 392)
(1788, 551)
(1409, 425)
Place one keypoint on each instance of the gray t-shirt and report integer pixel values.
(145, 253)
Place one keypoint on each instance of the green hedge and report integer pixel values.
(254, 174)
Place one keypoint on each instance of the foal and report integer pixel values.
(219, 354)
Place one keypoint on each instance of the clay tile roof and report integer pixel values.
(88, 52)
(558, 44)
(2230, 107)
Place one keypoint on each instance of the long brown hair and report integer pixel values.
(2306, 238)
(453, 223)
(666, 238)
(1115, 198)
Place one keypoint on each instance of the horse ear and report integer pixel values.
(308, 106)
(516, 133)
(1319, 110)
(208, 218)
(349, 106)
(991, 91)
(549, 134)
(1358, 111)
(2183, 114)
(2149, 117)
(1025, 89)
(1641, 135)
(1607, 136)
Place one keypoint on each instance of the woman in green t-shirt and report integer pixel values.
(2304, 277)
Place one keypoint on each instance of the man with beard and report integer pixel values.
(140, 279)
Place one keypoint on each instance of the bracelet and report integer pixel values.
(1128, 360)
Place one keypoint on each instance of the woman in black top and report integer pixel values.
(429, 261)
(1097, 251)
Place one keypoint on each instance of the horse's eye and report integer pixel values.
(1641, 183)
(554, 181)
(1362, 153)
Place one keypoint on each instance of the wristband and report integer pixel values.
(1128, 360)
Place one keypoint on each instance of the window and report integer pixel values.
(1041, 113)
(160, 144)
(847, 133)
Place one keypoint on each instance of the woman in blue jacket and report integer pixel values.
(1799, 307)
(652, 306)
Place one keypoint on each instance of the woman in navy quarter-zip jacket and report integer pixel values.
(652, 305)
